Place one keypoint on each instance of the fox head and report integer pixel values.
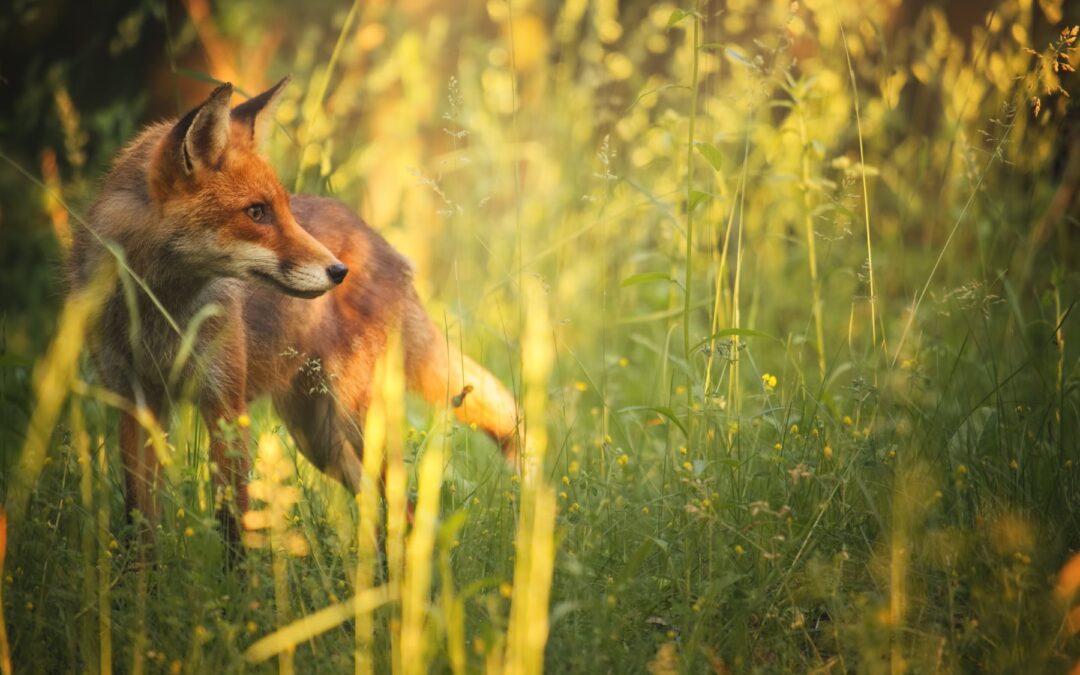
(226, 212)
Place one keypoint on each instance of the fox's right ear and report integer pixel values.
(256, 114)
(200, 138)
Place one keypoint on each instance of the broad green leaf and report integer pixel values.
(643, 278)
(663, 411)
(710, 153)
(732, 332)
(676, 16)
(697, 197)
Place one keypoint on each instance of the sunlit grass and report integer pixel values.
(780, 289)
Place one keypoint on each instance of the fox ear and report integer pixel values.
(204, 132)
(257, 113)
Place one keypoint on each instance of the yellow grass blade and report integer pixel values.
(52, 382)
(418, 555)
(317, 623)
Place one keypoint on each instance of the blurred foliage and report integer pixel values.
(896, 489)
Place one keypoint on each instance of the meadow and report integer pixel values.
(786, 291)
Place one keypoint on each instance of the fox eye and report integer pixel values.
(259, 213)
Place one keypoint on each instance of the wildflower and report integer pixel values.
(682, 450)
(175, 667)
(961, 470)
(581, 386)
(624, 459)
(777, 446)
(799, 622)
(575, 507)
(706, 503)
(768, 381)
(505, 589)
(645, 510)
(180, 512)
(826, 452)
(563, 495)
(611, 600)
(688, 466)
(189, 532)
(1014, 465)
(244, 421)
(794, 428)
(680, 390)
(624, 362)
(847, 421)
(574, 467)
(739, 550)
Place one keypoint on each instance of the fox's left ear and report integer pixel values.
(257, 113)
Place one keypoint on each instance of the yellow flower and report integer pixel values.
(769, 381)
(777, 446)
(252, 627)
(624, 362)
(563, 495)
(961, 470)
(688, 466)
(827, 452)
(175, 667)
(705, 503)
(566, 480)
(739, 550)
(505, 589)
(623, 460)
(847, 420)
(574, 467)
(1014, 465)
(645, 510)
(581, 386)
(189, 532)
(682, 450)
(575, 507)
(243, 421)
(794, 428)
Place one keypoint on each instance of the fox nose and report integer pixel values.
(337, 272)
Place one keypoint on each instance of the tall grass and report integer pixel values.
(582, 187)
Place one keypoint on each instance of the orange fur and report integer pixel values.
(203, 219)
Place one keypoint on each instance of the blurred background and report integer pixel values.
(867, 459)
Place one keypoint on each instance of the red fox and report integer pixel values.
(201, 218)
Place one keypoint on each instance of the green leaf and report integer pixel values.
(676, 16)
(732, 332)
(643, 278)
(710, 153)
(663, 411)
(697, 197)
